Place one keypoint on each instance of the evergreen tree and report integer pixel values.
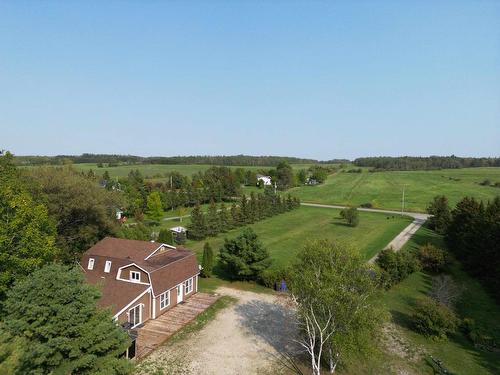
(207, 263)
(244, 257)
(252, 208)
(235, 216)
(224, 220)
(165, 236)
(197, 230)
(154, 207)
(213, 226)
(244, 214)
(54, 312)
(441, 215)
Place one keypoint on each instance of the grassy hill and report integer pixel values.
(384, 189)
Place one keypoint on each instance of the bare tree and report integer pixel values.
(445, 290)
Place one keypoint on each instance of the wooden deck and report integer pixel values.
(156, 331)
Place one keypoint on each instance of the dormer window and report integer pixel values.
(135, 276)
(90, 266)
(107, 266)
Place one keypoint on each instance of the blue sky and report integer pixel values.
(312, 79)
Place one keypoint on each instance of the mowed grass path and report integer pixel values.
(384, 189)
(285, 235)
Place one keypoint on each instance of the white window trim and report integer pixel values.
(188, 286)
(135, 273)
(90, 265)
(107, 266)
(140, 314)
(167, 294)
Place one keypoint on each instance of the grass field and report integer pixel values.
(284, 235)
(152, 170)
(384, 189)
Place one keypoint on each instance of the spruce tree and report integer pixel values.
(244, 257)
(235, 216)
(213, 226)
(207, 263)
(165, 236)
(244, 214)
(55, 312)
(197, 230)
(252, 208)
(289, 202)
(224, 224)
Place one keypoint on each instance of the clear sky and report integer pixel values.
(311, 79)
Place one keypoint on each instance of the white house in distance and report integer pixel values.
(264, 180)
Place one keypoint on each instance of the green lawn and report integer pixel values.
(284, 235)
(384, 189)
(457, 354)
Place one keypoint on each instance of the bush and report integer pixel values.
(433, 319)
(444, 290)
(432, 258)
(396, 266)
(271, 276)
(367, 205)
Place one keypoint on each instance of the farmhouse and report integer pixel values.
(140, 280)
(264, 180)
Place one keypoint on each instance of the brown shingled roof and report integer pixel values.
(123, 249)
(166, 268)
(116, 294)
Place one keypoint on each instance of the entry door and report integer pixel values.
(134, 316)
(179, 293)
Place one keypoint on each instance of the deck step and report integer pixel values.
(155, 331)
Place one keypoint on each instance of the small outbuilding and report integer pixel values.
(264, 180)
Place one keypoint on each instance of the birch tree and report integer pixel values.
(335, 293)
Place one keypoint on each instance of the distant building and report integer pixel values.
(179, 234)
(311, 181)
(264, 180)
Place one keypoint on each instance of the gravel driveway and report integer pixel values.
(245, 338)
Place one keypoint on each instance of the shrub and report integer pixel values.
(433, 319)
(367, 205)
(271, 276)
(432, 258)
(396, 266)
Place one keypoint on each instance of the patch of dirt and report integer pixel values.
(245, 338)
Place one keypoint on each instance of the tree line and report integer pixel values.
(220, 219)
(408, 163)
(242, 160)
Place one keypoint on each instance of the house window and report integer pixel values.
(107, 266)
(135, 276)
(164, 299)
(135, 316)
(91, 264)
(188, 286)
